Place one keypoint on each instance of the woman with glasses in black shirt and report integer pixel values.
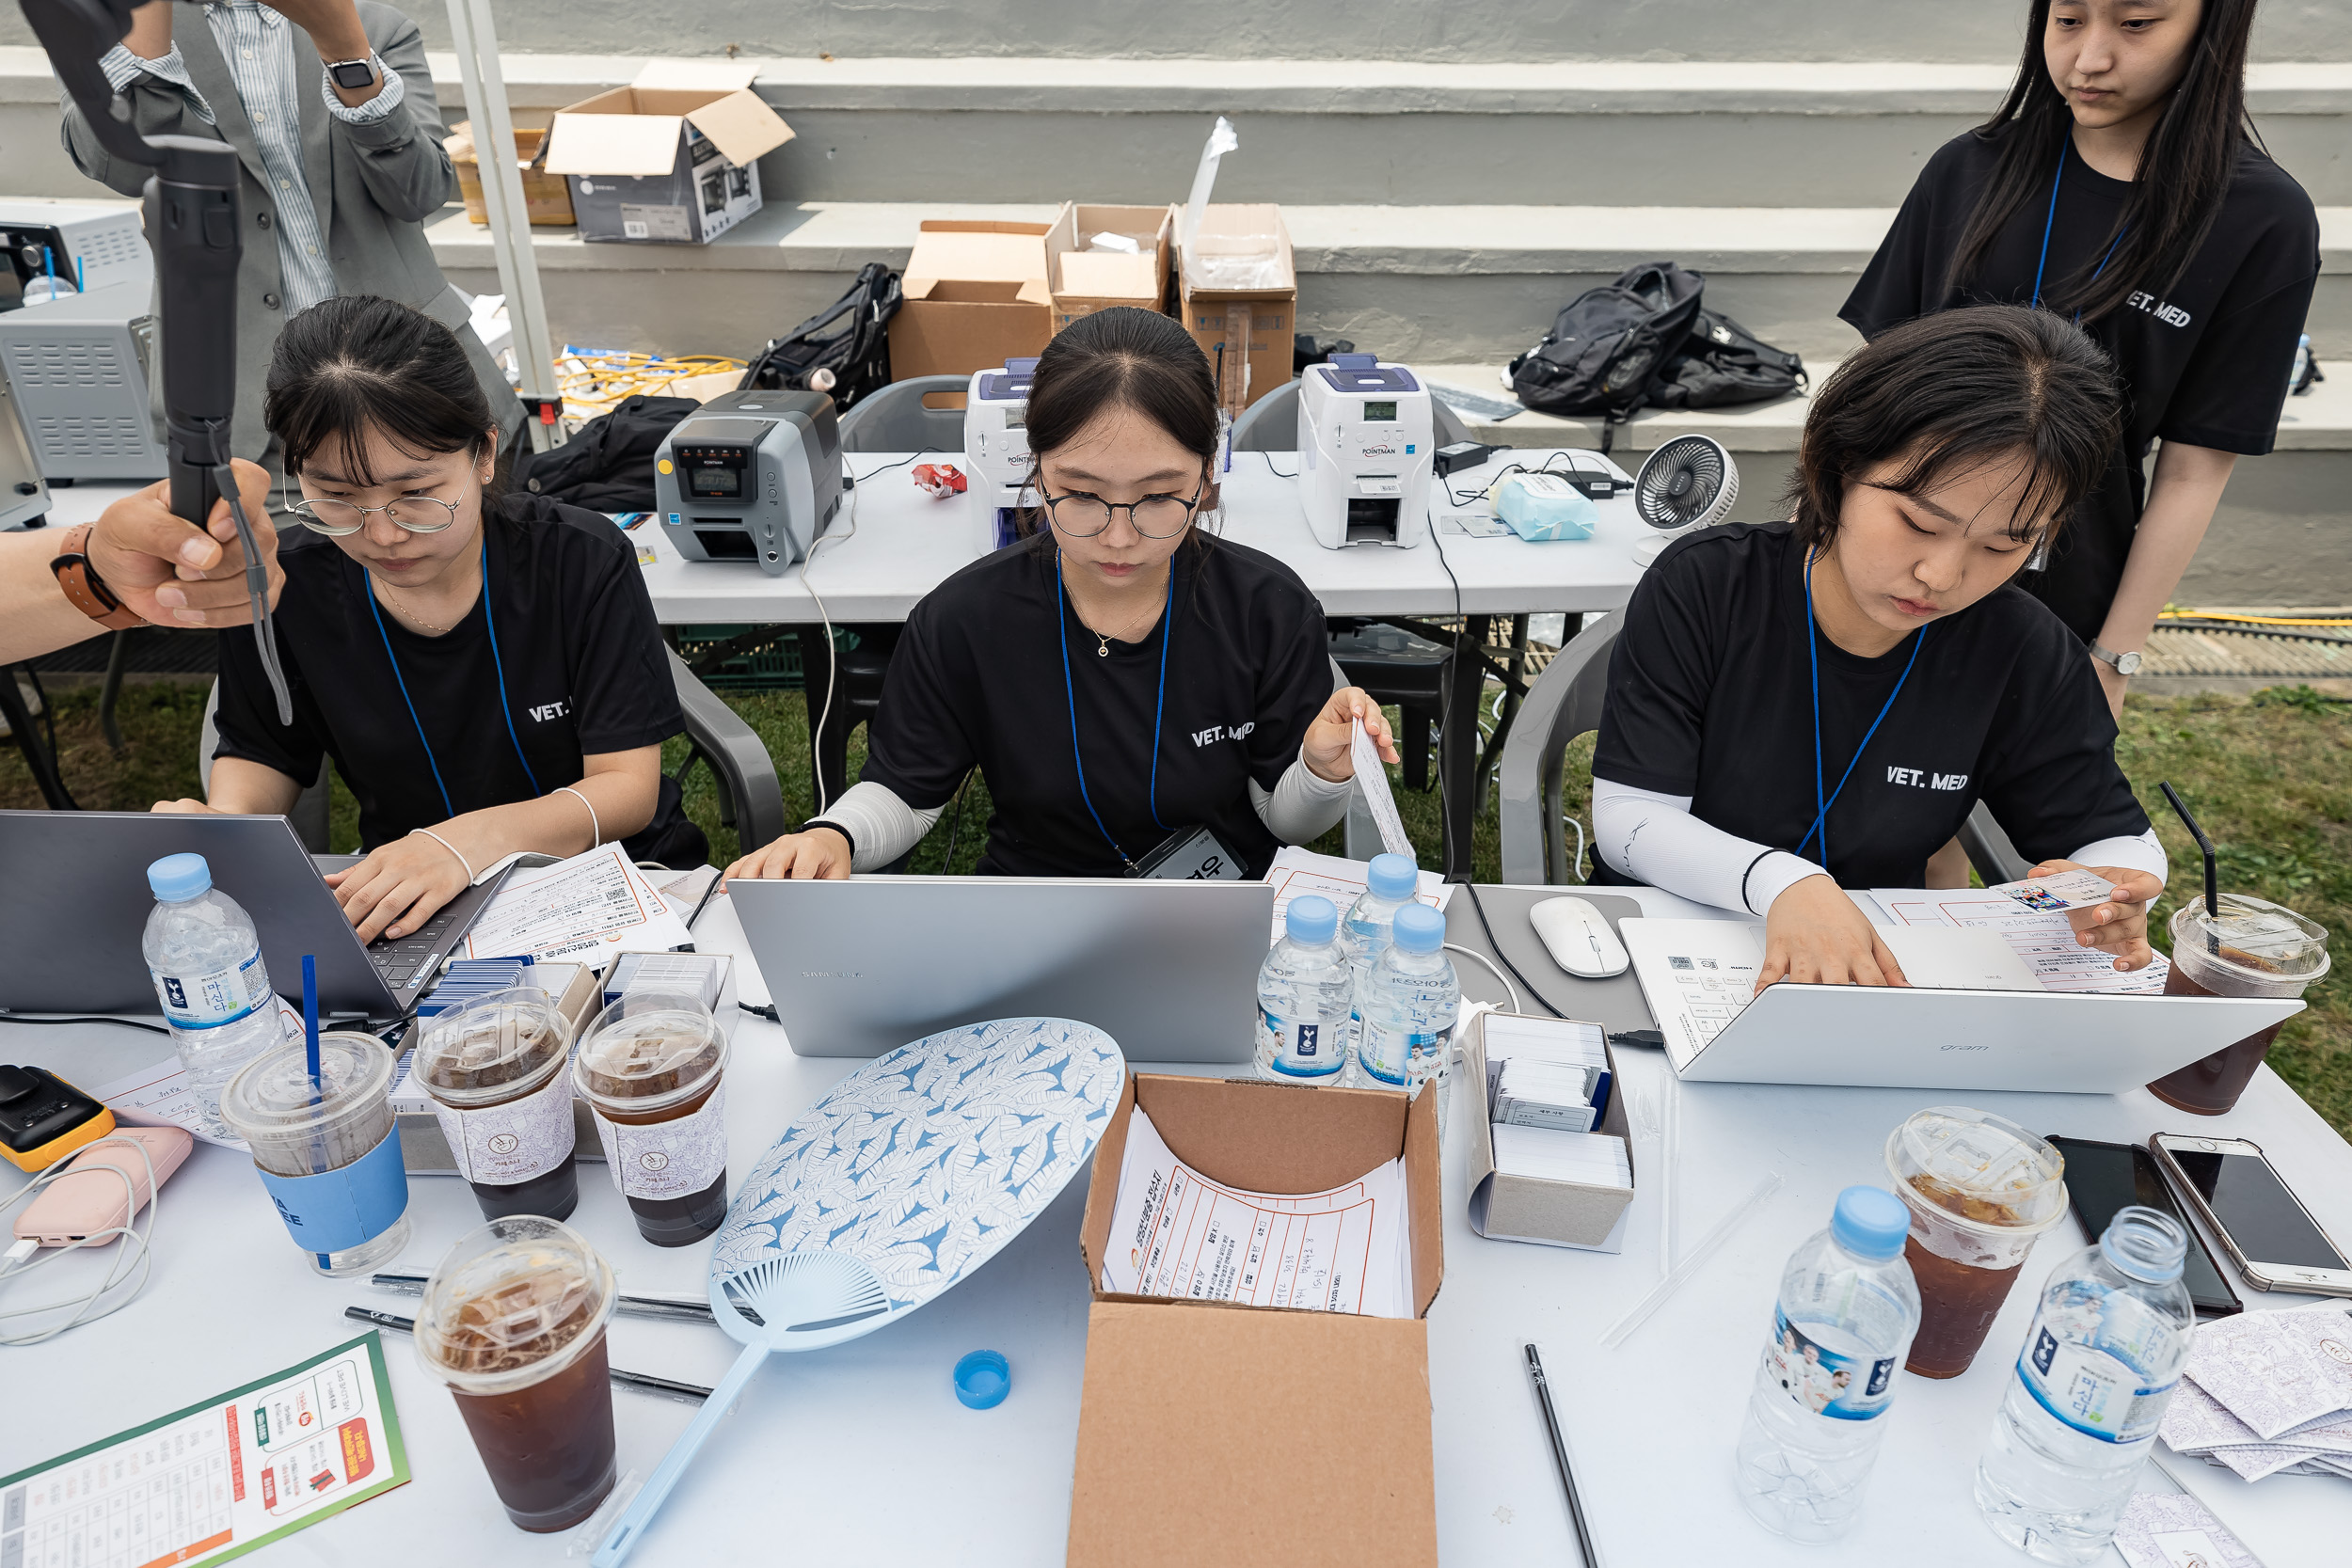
(1121, 679)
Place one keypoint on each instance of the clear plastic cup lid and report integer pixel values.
(494, 1049)
(273, 1096)
(1978, 1167)
(513, 1302)
(649, 1050)
(2254, 935)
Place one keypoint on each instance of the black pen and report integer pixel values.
(1560, 1457)
(627, 1307)
(685, 1393)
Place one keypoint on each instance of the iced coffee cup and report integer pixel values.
(512, 1320)
(652, 1065)
(494, 1069)
(325, 1148)
(2249, 948)
(1981, 1190)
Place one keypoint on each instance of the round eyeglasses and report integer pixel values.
(1082, 517)
(338, 519)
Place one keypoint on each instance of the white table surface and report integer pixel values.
(861, 1453)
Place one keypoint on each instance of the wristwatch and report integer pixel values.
(85, 589)
(2125, 664)
(351, 75)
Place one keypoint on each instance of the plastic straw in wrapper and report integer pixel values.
(1707, 1248)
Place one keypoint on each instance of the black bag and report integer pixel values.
(1606, 348)
(1721, 362)
(849, 340)
(608, 466)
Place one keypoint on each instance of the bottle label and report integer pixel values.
(1302, 1049)
(506, 1144)
(1388, 1053)
(2091, 1389)
(1830, 1383)
(669, 1159)
(209, 1000)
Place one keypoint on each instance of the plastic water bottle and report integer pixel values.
(2099, 1366)
(1405, 1006)
(206, 960)
(1388, 887)
(1303, 991)
(1846, 1311)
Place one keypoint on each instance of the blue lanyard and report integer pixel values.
(1070, 689)
(2050, 218)
(490, 619)
(1813, 652)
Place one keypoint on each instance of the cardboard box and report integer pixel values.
(1194, 1415)
(1535, 1209)
(546, 198)
(1083, 282)
(976, 295)
(669, 159)
(1245, 329)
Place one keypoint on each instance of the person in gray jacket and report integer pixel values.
(331, 110)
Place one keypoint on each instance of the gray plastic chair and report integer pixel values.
(896, 419)
(1271, 423)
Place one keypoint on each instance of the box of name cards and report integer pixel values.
(1550, 1154)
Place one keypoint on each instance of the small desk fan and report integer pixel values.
(913, 1171)
(1690, 482)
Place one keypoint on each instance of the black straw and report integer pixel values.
(2180, 809)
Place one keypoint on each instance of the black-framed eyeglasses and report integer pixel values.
(340, 519)
(1082, 517)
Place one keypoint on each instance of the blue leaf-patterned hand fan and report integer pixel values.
(917, 1168)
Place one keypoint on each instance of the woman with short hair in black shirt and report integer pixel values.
(484, 669)
(2121, 186)
(1123, 677)
(1797, 708)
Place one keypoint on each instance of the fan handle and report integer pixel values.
(643, 1506)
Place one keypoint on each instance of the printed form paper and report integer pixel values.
(159, 1096)
(584, 909)
(216, 1480)
(1174, 1232)
(1297, 871)
(2044, 940)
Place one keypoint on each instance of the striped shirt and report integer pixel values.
(259, 46)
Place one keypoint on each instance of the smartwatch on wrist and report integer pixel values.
(85, 589)
(352, 75)
(2123, 664)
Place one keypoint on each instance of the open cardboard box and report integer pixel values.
(976, 295)
(1083, 282)
(670, 159)
(547, 199)
(1507, 1207)
(1197, 1416)
(1245, 332)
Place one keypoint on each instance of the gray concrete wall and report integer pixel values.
(1317, 29)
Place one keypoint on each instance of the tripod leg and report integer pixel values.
(37, 758)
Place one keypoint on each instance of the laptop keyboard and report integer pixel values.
(1713, 1000)
(406, 964)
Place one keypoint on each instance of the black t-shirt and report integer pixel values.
(585, 673)
(977, 678)
(2203, 361)
(1710, 696)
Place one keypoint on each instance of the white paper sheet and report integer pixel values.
(584, 909)
(2044, 940)
(1297, 871)
(159, 1096)
(1174, 1232)
(1372, 777)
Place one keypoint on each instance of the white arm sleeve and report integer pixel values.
(2140, 852)
(1654, 839)
(881, 827)
(1303, 806)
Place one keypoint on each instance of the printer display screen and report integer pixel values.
(713, 472)
(715, 480)
(1379, 411)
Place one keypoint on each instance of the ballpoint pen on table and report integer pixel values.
(627, 1307)
(1560, 1457)
(685, 1393)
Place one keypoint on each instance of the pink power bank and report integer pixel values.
(88, 1197)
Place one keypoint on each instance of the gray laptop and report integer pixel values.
(77, 902)
(1168, 969)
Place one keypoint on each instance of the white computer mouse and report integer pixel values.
(1579, 938)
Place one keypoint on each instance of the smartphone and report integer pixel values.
(88, 1197)
(2103, 1178)
(2263, 1226)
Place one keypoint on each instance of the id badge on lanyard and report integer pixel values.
(1190, 855)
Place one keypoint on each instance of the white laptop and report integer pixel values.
(1975, 1017)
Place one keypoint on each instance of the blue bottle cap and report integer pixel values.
(178, 877)
(1393, 876)
(1870, 1222)
(1419, 928)
(1311, 919)
(983, 1379)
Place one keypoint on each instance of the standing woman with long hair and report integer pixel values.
(2121, 186)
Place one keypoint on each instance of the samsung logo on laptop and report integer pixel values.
(1959, 1047)
(831, 974)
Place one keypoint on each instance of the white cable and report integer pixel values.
(1508, 987)
(135, 1249)
(1576, 862)
(815, 769)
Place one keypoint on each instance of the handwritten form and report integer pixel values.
(2044, 940)
(584, 909)
(1297, 871)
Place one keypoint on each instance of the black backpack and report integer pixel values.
(1721, 362)
(1607, 346)
(850, 339)
(608, 466)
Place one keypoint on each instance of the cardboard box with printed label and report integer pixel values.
(1086, 277)
(1238, 289)
(1195, 1416)
(976, 295)
(546, 198)
(670, 159)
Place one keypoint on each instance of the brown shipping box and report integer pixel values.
(670, 159)
(1532, 1207)
(1245, 332)
(546, 198)
(1188, 1401)
(1084, 281)
(976, 295)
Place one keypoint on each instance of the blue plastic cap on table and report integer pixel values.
(1312, 920)
(178, 877)
(1419, 928)
(1870, 1222)
(1393, 876)
(983, 1379)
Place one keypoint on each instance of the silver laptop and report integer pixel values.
(1168, 969)
(1966, 1032)
(78, 903)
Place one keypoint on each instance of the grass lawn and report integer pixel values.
(2270, 778)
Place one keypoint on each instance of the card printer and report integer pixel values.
(750, 476)
(1365, 450)
(997, 450)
